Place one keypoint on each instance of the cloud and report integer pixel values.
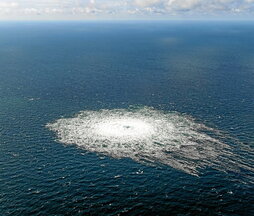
(183, 5)
(128, 8)
(8, 4)
(146, 3)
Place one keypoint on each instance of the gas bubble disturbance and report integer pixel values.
(148, 136)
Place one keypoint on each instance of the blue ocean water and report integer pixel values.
(52, 70)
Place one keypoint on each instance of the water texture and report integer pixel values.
(131, 118)
(148, 135)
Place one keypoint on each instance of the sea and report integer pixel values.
(127, 118)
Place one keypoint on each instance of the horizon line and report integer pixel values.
(128, 20)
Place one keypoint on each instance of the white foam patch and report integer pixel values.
(124, 127)
(145, 135)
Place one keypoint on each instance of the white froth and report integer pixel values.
(124, 127)
(144, 135)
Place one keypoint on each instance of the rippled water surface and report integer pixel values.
(126, 118)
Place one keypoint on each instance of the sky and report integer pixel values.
(125, 9)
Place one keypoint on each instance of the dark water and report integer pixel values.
(51, 70)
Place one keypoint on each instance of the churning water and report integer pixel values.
(152, 118)
(148, 135)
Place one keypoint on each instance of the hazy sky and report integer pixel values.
(126, 9)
